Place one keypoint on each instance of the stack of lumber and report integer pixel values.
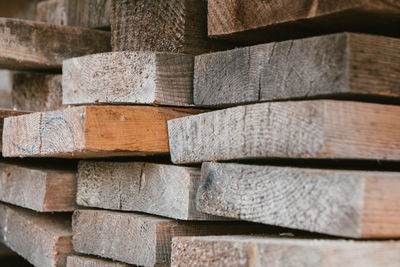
(144, 139)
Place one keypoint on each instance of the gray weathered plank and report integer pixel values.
(81, 261)
(323, 129)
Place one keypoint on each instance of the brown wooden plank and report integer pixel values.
(359, 204)
(35, 45)
(141, 239)
(81, 261)
(129, 77)
(36, 91)
(80, 13)
(178, 26)
(90, 131)
(343, 64)
(257, 21)
(42, 239)
(269, 251)
(322, 129)
(4, 113)
(39, 189)
(158, 189)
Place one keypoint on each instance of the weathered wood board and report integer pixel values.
(42, 239)
(90, 131)
(141, 239)
(36, 91)
(256, 21)
(4, 113)
(5, 89)
(31, 45)
(261, 251)
(343, 64)
(178, 26)
(80, 13)
(136, 77)
(159, 189)
(358, 204)
(39, 189)
(81, 261)
(322, 129)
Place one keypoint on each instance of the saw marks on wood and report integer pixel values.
(4, 113)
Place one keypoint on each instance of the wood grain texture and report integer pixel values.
(357, 204)
(178, 26)
(39, 189)
(261, 251)
(4, 113)
(344, 64)
(80, 13)
(5, 89)
(141, 239)
(35, 45)
(259, 21)
(129, 77)
(158, 189)
(36, 91)
(42, 239)
(90, 131)
(81, 261)
(324, 129)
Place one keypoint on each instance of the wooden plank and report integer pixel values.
(158, 189)
(36, 91)
(177, 26)
(323, 129)
(81, 261)
(259, 21)
(357, 204)
(90, 131)
(80, 13)
(22, 9)
(42, 239)
(141, 239)
(129, 77)
(5, 89)
(4, 113)
(344, 64)
(269, 251)
(39, 189)
(35, 45)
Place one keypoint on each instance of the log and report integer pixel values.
(343, 64)
(358, 204)
(90, 131)
(178, 26)
(80, 13)
(269, 251)
(158, 189)
(141, 239)
(323, 129)
(81, 261)
(36, 91)
(39, 189)
(129, 77)
(259, 21)
(35, 45)
(42, 239)
(4, 113)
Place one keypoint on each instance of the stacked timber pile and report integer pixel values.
(145, 142)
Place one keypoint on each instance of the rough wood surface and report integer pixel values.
(129, 77)
(5, 89)
(261, 251)
(4, 113)
(80, 13)
(141, 239)
(92, 131)
(356, 204)
(344, 64)
(324, 129)
(252, 21)
(159, 189)
(42, 239)
(178, 26)
(80, 261)
(36, 91)
(39, 189)
(35, 45)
